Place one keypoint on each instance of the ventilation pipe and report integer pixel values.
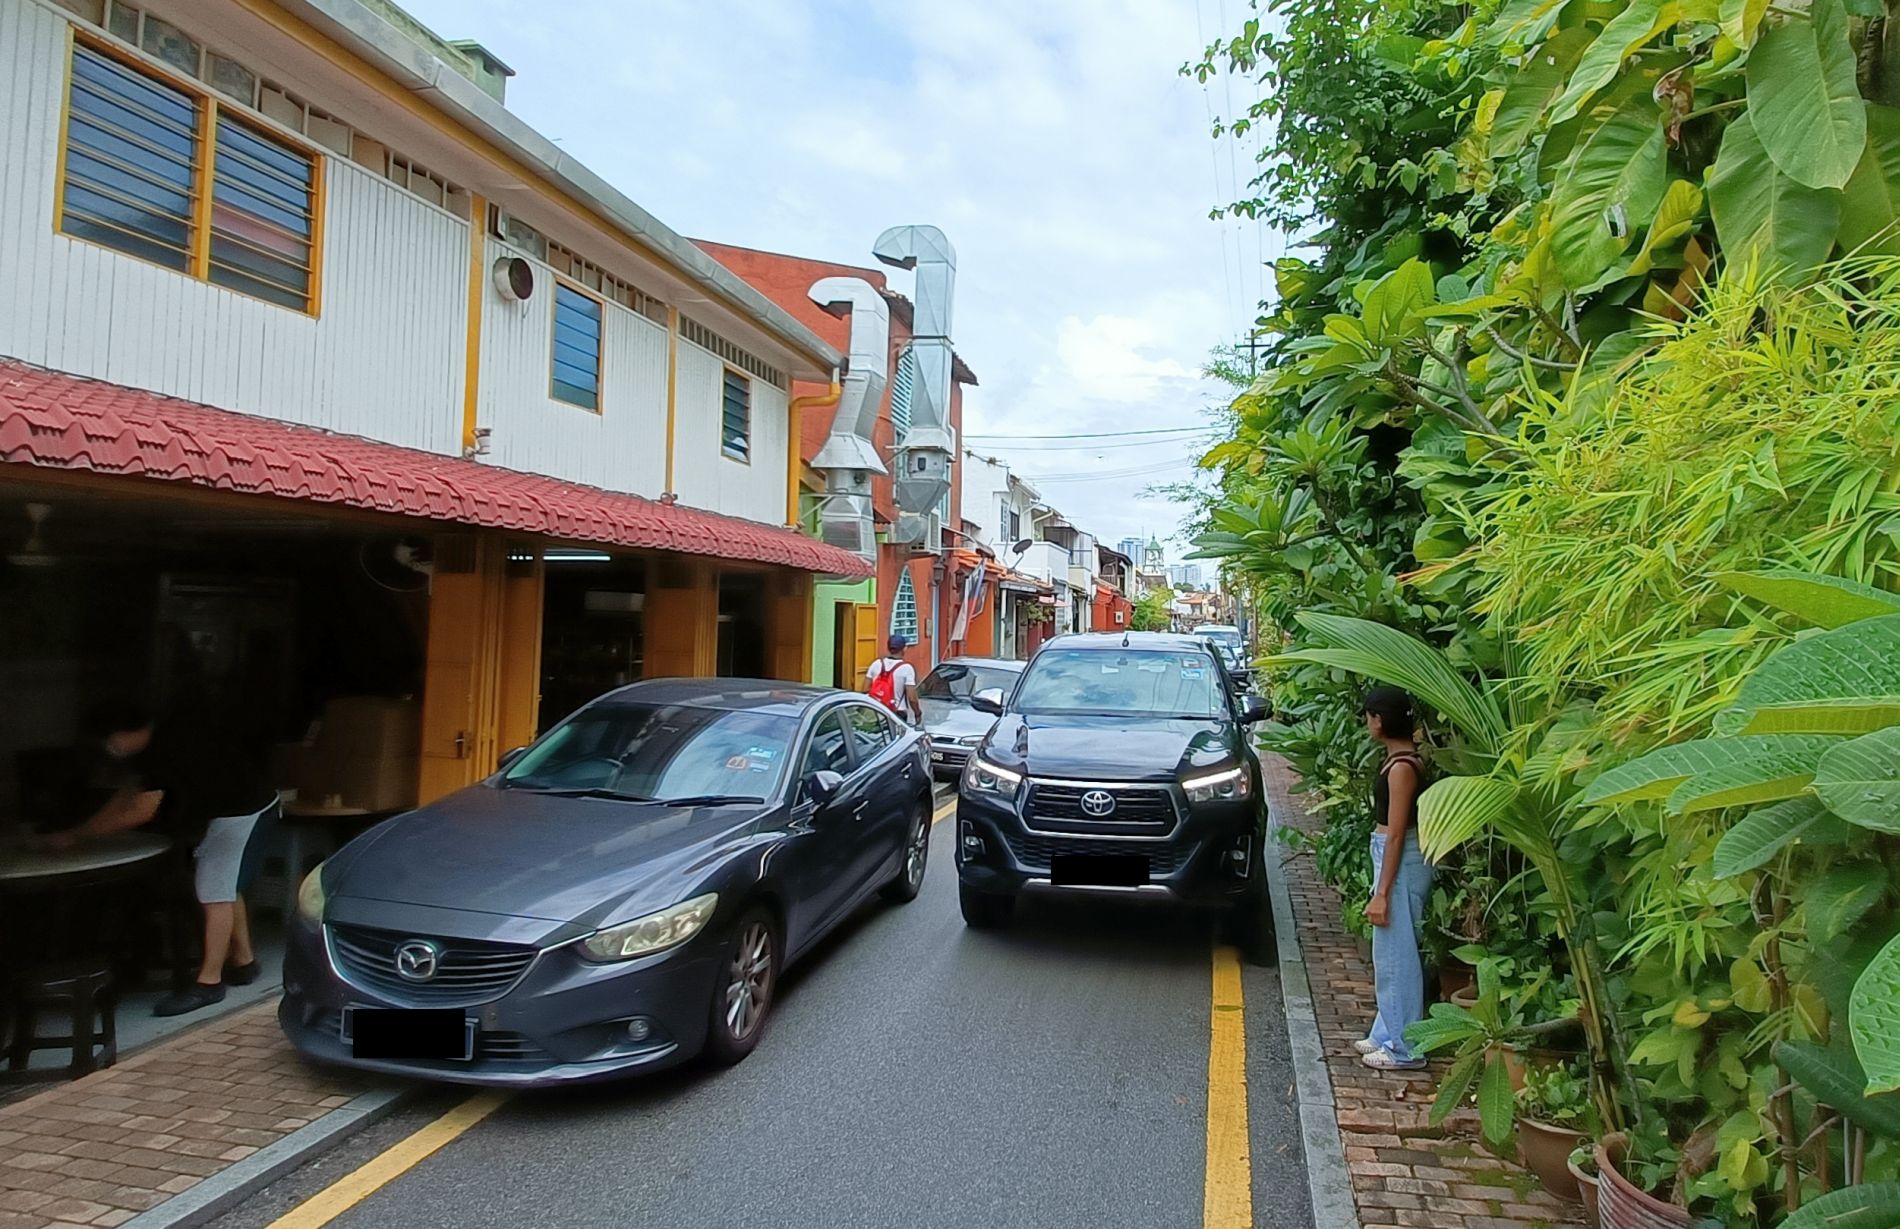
(924, 454)
(849, 458)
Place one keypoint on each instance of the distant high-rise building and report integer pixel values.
(1132, 548)
(1185, 576)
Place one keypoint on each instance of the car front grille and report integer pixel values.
(1034, 852)
(1140, 810)
(468, 970)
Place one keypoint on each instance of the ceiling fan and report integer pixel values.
(34, 553)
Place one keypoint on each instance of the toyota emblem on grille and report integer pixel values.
(417, 960)
(1098, 802)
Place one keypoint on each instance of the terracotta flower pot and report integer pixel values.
(1587, 1189)
(1544, 1148)
(1455, 977)
(1621, 1204)
(1466, 998)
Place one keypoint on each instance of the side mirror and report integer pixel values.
(989, 700)
(1258, 709)
(822, 786)
(509, 757)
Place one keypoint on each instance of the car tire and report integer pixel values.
(1250, 923)
(985, 910)
(745, 989)
(913, 860)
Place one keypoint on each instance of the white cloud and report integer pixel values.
(1053, 142)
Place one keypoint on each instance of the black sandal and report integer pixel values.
(199, 996)
(242, 974)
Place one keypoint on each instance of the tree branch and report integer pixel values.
(1511, 350)
(1570, 340)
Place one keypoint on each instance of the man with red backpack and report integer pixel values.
(892, 682)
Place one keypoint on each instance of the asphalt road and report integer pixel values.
(915, 1073)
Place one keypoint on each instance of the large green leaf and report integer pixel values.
(1803, 98)
(1521, 109)
(1758, 773)
(1741, 18)
(1640, 21)
(1456, 1085)
(1870, 208)
(1452, 810)
(1391, 306)
(1843, 681)
(1859, 780)
(1873, 1019)
(1876, 1205)
(1377, 651)
(1763, 833)
(1660, 773)
(1610, 188)
(1825, 601)
(1835, 1079)
(1675, 217)
(1765, 217)
(1497, 1105)
(1841, 897)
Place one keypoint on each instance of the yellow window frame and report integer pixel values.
(600, 343)
(203, 167)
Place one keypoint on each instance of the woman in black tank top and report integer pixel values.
(1401, 884)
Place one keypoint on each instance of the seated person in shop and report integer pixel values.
(187, 774)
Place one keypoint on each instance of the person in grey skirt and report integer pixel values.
(192, 775)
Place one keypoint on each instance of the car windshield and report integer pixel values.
(648, 752)
(1131, 682)
(960, 681)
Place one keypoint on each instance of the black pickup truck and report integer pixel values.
(1120, 766)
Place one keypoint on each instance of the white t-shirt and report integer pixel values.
(903, 678)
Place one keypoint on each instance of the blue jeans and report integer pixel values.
(1398, 972)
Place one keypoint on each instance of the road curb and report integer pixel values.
(1329, 1182)
(225, 1189)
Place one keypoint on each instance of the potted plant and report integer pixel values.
(1625, 1204)
(1553, 1110)
(1486, 1037)
(1583, 1171)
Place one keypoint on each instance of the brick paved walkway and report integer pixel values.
(1404, 1172)
(99, 1150)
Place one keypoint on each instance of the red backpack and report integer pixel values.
(883, 688)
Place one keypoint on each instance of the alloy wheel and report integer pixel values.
(749, 990)
(917, 852)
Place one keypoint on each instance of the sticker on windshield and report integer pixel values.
(1190, 674)
(761, 753)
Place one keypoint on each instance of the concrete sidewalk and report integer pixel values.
(220, 1107)
(1404, 1171)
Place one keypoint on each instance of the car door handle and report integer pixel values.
(857, 812)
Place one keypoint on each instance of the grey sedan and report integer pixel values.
(955, 727)
(622, 895)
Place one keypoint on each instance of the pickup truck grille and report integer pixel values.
(1139, 810)
(1034, 851)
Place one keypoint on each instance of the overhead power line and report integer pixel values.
(1096, 435)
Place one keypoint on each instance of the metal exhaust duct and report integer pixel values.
(849, 458)
(925, 452)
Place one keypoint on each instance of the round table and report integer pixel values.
(100, 860)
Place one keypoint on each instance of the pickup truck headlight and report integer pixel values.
(984, 777)
(653, 933)
(1228, 783)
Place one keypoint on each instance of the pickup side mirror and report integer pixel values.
(508, 757)
(1257, 709)
(989, 700)
(822, 786)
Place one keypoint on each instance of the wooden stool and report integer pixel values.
(84, 988)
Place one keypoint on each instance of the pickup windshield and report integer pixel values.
(658, 752)
(1133, 683)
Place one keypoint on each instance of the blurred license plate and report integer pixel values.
(936, 755)
(1098, 870)
(417, 1032)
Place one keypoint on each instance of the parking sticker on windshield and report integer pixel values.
(1190, 674)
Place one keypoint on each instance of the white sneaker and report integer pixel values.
(1385, 1060)
(1365, 1045)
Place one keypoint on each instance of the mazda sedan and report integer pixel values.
(622, 895)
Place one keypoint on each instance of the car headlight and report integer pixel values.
(1228, 783)
(986, 778)
(653, 933)
(310, 898)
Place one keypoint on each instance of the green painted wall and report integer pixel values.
(824, 630)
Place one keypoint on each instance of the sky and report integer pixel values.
(1053, 142)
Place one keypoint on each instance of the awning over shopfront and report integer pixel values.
(58, 421)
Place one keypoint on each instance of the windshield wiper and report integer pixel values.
(704, 800)
(591, 792)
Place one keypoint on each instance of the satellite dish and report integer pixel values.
(33, 554)
(514, 279)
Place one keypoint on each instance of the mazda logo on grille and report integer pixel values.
(417, 960)
(1098, 802)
